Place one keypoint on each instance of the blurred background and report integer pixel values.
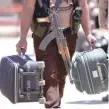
(10, 16)
(10, 13)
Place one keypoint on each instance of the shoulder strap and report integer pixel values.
(39, 9)
(41, 3)
(57, 3)
(75, 3)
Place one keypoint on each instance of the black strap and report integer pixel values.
(40, 11)
(43, 2)
(75, 3)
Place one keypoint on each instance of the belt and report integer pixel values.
(62, 8)
(67, 29)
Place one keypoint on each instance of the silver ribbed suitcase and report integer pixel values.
(90, 71)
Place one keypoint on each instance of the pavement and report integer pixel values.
(72, 99)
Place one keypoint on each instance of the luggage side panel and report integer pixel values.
(8, 70)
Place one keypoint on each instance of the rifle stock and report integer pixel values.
(64, 51)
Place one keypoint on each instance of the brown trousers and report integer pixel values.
(54, 72)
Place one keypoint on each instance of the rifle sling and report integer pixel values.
(47, 39)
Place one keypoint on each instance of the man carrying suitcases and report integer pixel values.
(55, 72)
(103, 19)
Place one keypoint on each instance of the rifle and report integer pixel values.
(61, 42)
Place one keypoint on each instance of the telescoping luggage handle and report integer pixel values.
(38, 90)
(105, 70)
(21, 75)
(40, 83)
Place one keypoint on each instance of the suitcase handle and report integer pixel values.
(22, 51)
(102, 65)
(22, 54)
(92, 47)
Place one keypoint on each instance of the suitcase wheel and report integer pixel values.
(41, 65)
(41, 83)
(42, 100)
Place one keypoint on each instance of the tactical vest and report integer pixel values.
(40, 29)
(40, 12)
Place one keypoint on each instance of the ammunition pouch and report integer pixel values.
(40, 29)
(75, 20)
(75, 17)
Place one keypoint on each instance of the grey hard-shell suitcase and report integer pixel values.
(90, 71)
(21, 79)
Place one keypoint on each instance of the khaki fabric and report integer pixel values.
(40, 29)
